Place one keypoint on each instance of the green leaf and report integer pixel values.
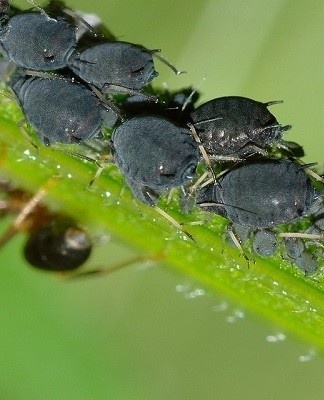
(268, 287)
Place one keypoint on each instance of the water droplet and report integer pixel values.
(279, 337)
(310, 355)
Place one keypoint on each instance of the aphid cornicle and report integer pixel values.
(154, 154)
(236, 126)
(34, 40)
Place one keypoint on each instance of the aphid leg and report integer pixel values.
(173, 222)
(31, 205)
(314, 175)
(107, 270)
(106, 102)
(189, 98)
(188, 193)
(111, 88)
(22, 126)
(202, 150)
(96, 175)
(237, 243)
(156, 54)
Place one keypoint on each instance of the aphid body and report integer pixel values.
(114, 66)
(236, 126)
(36, 41)
(260, 195)
(154, 154)
(59, 109)
(263, 193)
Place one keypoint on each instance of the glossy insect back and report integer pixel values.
(55, 242)
(58, 246)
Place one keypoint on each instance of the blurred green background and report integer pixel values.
(143, 333)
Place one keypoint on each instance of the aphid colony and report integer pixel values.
(67, 91)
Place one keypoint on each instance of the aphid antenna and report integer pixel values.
(283, 128)
(291, 148)
(193, 92)
(215, 204)
(96, 175)
(156, 54)
(202, 150)
(81, 19)
(188, 99)
(204, 121)
(209, 181)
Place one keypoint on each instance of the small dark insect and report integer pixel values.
(115, 66)
(155, 155)
(34, 40)
(61, 110)
(55, 242)
(236, 126)
(260, 195)
(60, 245)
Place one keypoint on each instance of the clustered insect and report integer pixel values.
(156, 144)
